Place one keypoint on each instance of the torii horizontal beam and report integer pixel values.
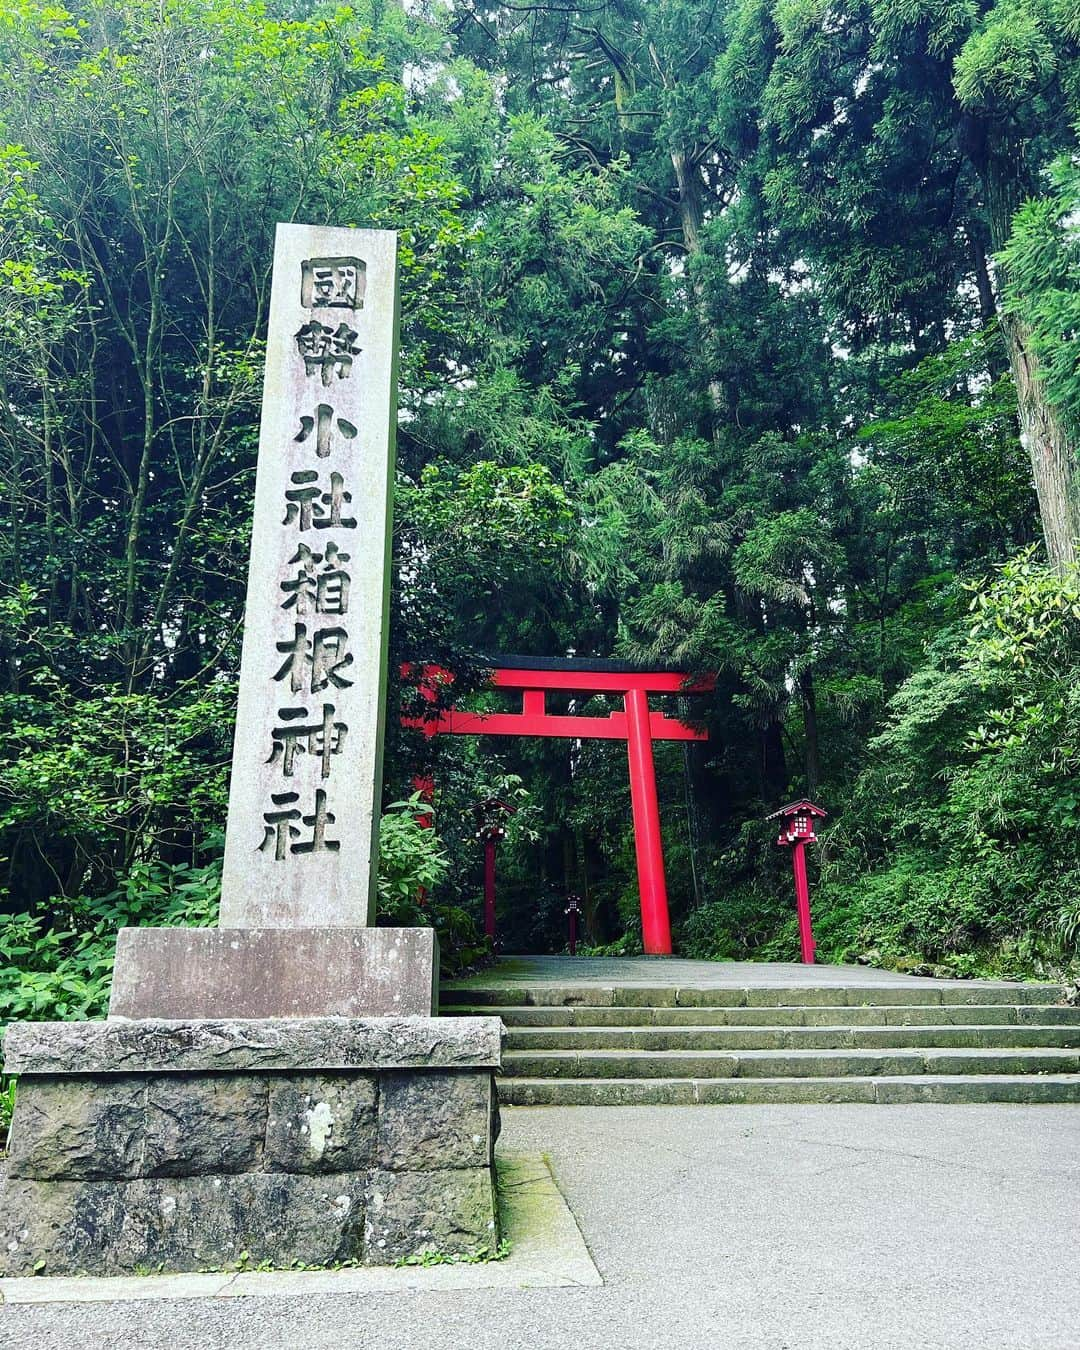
(533, 720)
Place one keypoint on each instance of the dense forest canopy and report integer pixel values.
(741, 336)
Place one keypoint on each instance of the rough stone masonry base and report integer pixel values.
(118, 1171)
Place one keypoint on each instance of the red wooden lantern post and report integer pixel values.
(490, 830)
(796, 831)
(573, 909)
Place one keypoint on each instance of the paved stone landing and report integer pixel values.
(670, 970)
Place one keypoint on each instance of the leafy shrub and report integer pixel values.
(412, 864)
(7, 1108)
(960, 850)
(56, 962)
(750, 922)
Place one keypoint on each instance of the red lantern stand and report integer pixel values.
(572, 912)
(636, 724)
(796, 831)
(490, 831)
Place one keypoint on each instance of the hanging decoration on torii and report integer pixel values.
(636, 724)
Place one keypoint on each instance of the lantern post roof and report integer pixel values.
(804, 806)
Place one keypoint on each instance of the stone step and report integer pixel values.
(944, 1089)
(790, 1038)
(784, 1064)
(897, 1015)
(947, 993)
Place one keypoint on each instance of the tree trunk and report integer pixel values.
(999, 161)
(810, 727)
(693, 826)
(692, 217)
(691, 214)
(980, 266)
(774, 770)
(1049, 446)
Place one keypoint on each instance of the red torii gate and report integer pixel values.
(637, 725)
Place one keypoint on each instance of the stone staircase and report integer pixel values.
(928, 1041)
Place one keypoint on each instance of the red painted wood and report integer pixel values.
(802, 901)
(638, 726)
(611, 728)
(600, 682)
(489, 888)
(533, 702)
(652, 887)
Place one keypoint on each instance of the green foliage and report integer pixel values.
(410, 854)
(412, 868)
(499, 1252)
(960, 846)
(57, 960)
(7, 1107)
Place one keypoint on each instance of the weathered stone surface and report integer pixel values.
(182, 1170)
(78, 1127)
(180, 973)
(204, 1124)
(597, 1091)
(326, 451)
(306, 1043)
(191, 1223)
(436, 1120)
(320, 1123)
(451, 1212)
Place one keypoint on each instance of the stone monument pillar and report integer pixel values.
(302, 846)
(279, 1085)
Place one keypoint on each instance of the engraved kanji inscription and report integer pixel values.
(309, 508)
(322, 424)
(316, 662)
(327, 351)
(281, 832)
(296, 736)
(333, 283)
(315, 589)
(317, 823)
(279, 827)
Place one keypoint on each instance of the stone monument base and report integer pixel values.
(275, 972)
(200, 1145)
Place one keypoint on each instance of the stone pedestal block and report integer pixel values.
(323, 1123)
(275, 972)
(178, 1145)
(439, 1210)
(179, 1224)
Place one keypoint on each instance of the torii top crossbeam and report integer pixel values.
(636, 724)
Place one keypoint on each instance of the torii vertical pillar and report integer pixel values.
(655, 921)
